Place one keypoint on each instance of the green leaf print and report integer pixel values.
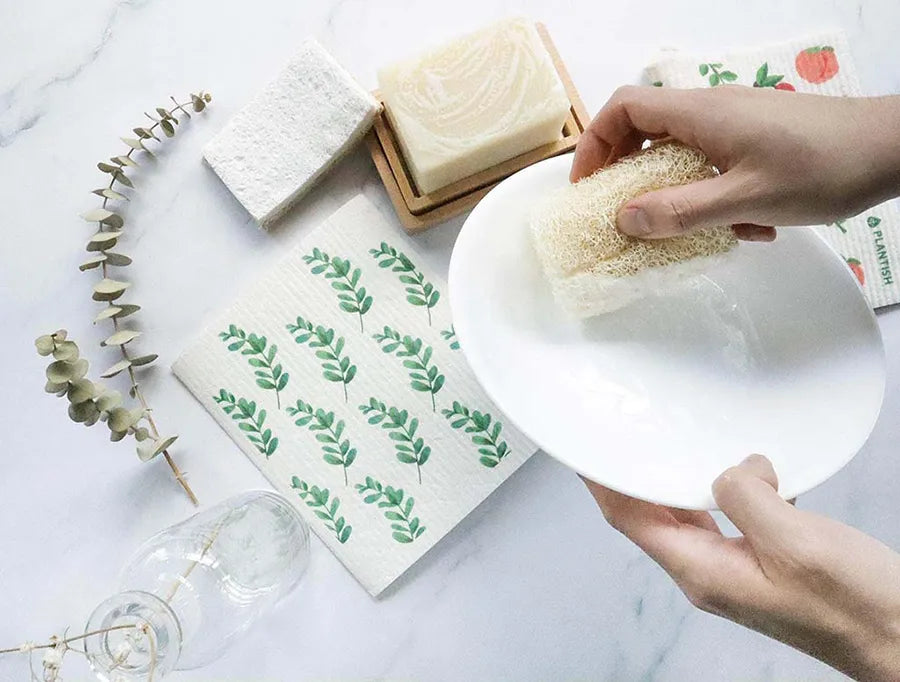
(398, 509)
(764, 79)
(328, 433)
(317, 499)
(486, 436)
(409, 448)
(873, 221)
(424, 375)
(260, 355)
(335, 366)
(352, 298)
(418, 291)
(716, 75)
(839, 224)
(450, 336)
(251, 422)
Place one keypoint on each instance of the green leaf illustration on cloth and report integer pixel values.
(261, 355)
(251, 421)
(424, 375)
(716, 74)
(418, 291)
(398, 509)
(764, 79)
(450, 336)
(409, 448)
(328, 432)
(485, 436)
(873, 221)
(335, 367)
(352, 298)
(317, 499)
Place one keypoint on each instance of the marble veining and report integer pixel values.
(533, 585)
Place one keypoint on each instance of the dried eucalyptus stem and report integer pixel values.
(109, 289)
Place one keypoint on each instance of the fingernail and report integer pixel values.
(634, 222)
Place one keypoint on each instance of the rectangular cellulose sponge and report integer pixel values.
(275, 148)
(474, 102)
(592, 267)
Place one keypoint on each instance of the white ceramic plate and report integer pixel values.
(774, 351)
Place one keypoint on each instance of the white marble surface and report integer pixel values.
(533, 585)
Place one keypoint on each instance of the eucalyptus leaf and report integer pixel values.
(137, 145)
(116, 436)
(120, 338)
(65, 350)
(79, 368)
(120, 366)
(51, 387)
(109, 401)
(60, 371)
(109, 289)
(167, 128)
(150, 449)
(120, 176)
(120, 419)
(80, 391)
(108, 312)
(144, 134)
(85, 412)
(44, 344)
(143, 360)
(97, 215)
(104, 239)
(107, 167)
(93, 262)
(124, 161)
(141, 434)
(108, 193)
(117, 259)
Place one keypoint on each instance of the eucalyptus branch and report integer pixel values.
(317, 499)
(261, 355)
(335, 367)
(405, 526)
(419, 292)
(251, 422)
(409, 448)
(110, 223)
(485, 436)
(91, 402)
(329, 431)
(424, 376)
(352, 298)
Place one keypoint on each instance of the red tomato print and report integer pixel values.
(816, 64)
(856, 267)
(786, 86)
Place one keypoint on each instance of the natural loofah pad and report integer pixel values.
(592, 267)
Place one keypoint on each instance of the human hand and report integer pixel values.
(813, 583)
(785, 158)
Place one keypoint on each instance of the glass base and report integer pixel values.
(139, 634)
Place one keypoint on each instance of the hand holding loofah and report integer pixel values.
(592, 267)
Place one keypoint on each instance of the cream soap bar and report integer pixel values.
(275, 148)
(473, 103)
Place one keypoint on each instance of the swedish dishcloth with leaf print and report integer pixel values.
(339, 375)
(818, 64)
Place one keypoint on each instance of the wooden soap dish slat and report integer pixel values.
(417, 211)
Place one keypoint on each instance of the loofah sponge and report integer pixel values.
(592, 267)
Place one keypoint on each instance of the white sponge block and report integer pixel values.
(274, 149)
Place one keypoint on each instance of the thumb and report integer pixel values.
(748, 496)
(672, 211)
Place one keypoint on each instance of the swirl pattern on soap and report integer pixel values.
(477, 88)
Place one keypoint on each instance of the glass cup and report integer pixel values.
(192, 589)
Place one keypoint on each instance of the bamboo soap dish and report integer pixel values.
(418, 211)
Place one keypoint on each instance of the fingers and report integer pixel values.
(673, 211)
(678, 546)
(632, 115)
(748, 495)
(749, 232)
